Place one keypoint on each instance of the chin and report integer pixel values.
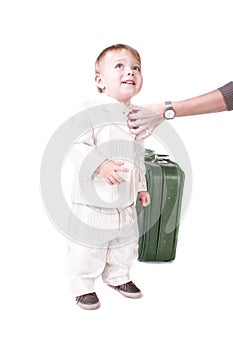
(125, 98)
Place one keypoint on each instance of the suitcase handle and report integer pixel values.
(152, 157)
(159, 159)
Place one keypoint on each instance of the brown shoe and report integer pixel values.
(88, 301)
(129, 290)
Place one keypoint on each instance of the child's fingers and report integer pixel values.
(144, 201)
(108, 181)
(119, 168)
(114, 179)
(147, 202)
(119, 163)
(118, 179)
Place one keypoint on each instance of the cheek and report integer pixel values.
(141, 81)
(140, 85)
(113, 80)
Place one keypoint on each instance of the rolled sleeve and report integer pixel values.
(227, 92)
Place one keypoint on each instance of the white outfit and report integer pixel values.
(105, 219)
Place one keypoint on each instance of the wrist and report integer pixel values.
(169, 112)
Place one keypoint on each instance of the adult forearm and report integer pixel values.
(211, 102)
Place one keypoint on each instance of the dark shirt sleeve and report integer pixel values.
(227, 92)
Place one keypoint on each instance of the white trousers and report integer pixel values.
(112, 261)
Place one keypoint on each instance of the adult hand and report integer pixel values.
(144, 119)
(109, 170)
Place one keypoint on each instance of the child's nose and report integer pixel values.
(130, 71)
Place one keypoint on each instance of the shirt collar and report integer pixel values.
(103, 99)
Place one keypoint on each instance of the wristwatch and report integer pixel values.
(169, 112)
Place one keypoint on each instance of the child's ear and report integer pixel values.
(99, 82)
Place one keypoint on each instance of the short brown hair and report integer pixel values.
(114, 48)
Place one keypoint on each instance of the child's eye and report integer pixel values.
(119, 65)
(137, 68)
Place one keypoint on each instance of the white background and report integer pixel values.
(48, 49)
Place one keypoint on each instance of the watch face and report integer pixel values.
(169, 114)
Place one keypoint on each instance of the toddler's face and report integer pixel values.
(120, 75)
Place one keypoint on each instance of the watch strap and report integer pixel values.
(168, 104)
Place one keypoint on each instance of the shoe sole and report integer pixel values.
(89, 306)
(127, 295)
(130, 295)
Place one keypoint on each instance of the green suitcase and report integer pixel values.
(159, 222)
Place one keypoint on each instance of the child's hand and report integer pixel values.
(144, 198)
(109, 171)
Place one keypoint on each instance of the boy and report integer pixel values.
(118, 78)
